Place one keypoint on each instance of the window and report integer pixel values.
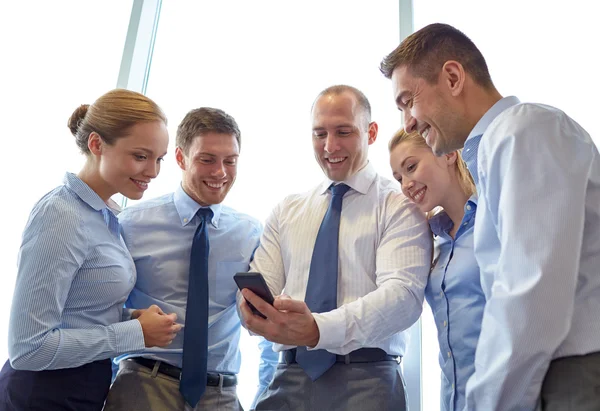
(50, 66)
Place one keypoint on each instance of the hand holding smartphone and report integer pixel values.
(256, 283)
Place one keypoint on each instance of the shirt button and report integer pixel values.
(468, 206)
(452, 385)
(185, 220)
(445, 323)
(465, 223)
(441, 293)
(449, 354)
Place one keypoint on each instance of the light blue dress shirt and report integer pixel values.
(74, 274)
(537, 244)
(456, 299)
(159, 234)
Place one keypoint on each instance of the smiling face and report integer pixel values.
(341, 135)
(209, 167)
(430, 110)
(425, 179)
(128, 165)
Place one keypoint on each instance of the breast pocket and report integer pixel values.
(225, 288)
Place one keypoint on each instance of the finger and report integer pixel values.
(290, 305)
(176, 328)
(171, 317)
(261, 305)
(154, 308)
(283, 297)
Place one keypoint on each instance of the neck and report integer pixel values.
(89, 175)
(477, 102)
(454, 206)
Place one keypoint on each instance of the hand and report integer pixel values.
(288, 321)
(159, 328)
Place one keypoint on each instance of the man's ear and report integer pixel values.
(373, 129)
(453, 76)
(180, 158)
(95, 143)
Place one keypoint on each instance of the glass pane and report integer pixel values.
(56, 55)
(264, 62)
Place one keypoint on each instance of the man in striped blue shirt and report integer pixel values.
(537, 229)
(159, 233)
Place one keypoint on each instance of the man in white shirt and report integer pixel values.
(351, 257)
(537, 231)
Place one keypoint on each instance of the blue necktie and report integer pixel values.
(195, 341)
(321, 290)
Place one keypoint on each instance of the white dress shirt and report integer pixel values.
(384, 259)
(537, 242)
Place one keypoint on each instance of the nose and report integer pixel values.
(152, 169)
(407, 184)
(331, 145)
(410, 123)
(219, 170)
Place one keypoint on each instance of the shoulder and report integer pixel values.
(240, 218)
(141, 209)
(60, 207)
(529, 119)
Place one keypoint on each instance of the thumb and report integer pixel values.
(154, 309)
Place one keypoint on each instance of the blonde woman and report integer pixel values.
(443, 188)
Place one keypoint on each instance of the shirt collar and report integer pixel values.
(83, 191)
(187, 208)
(441, 222)
(359, 181)
(491, 114)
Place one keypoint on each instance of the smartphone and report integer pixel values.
(257, 284)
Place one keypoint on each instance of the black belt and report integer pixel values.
(212, 378)
(357, 356)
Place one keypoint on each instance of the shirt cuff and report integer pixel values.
(129, 336)
(332, 330)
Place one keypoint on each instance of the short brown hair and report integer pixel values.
(425, 51)
(464, 176)
(338, 89)
(111, 116)
(205, 120)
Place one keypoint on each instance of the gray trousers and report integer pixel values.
(139, 388)
(572, 384)
(375, 386)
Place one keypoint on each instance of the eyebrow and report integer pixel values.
(404, 161)
(214, 155)
(148, 151)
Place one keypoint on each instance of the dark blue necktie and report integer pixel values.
(195, 341)
(321, 290)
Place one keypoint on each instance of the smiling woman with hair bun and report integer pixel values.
(74, 271)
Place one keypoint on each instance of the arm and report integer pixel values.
(533, 176)
(53, 250)
(267, 260)
(402, 262)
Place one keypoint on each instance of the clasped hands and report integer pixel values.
(288, 322)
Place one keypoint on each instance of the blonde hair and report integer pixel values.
(464, 176)
(111, 116)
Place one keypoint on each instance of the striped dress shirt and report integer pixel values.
(537, 242)
(384, 258)
(74, 275)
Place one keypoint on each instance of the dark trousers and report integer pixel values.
(572, 384)
(70, 389)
